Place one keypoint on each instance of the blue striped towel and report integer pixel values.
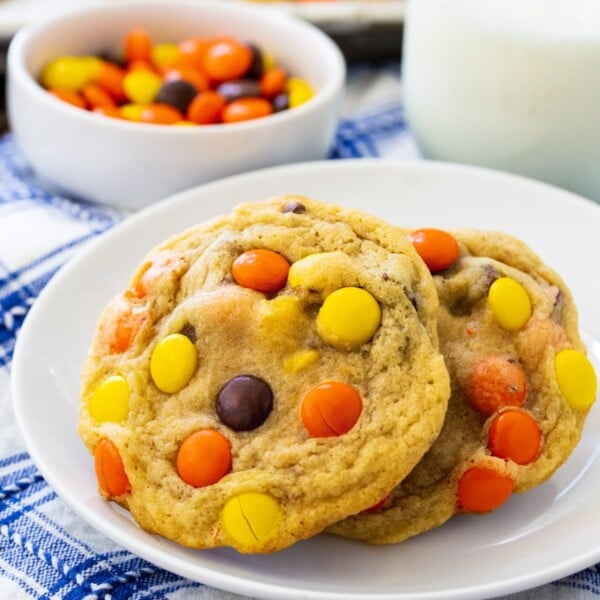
(45, 550)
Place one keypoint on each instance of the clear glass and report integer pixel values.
(508, 84)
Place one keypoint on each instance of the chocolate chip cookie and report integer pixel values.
(264, 375)
(521, 385)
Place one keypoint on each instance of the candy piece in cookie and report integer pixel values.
(521, 386)
(264, 375)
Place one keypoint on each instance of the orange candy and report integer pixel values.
(138, 45)
(69, 96)
(96, 96)
(515, 435)
(108, 111)
(194, 50)
(246, 109)
(110, 77)
(150, 274)
(188, 73)
(261, 270)
(206, 108)
(331, 408)
(110, 471)
(161, 114)
(127, 326)
(437, 248)
(140, 64)
(273, 82)
(495, 382)
(227, 59)
(204, 458)
(481, 489)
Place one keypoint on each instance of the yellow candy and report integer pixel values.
(300, 360)
(576, 378)
(323, 271)
(141, 86)
(281, 311)
(348, 318)
(70, 72)
(173, 363)
(185, 124)
(299, 91)
(268, 61)
(250, 517)
(92, 65)
(110, 400)
(132, 112)
(509, 303)
(164, 55)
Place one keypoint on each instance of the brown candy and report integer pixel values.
(190, 332)
(240, 88)
(244, 402)
(294, 207)
(281, 102)
(177, 93)
(256, 67)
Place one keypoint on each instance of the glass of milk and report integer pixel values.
(509, 84)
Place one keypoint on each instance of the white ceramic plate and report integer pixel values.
(536, 537)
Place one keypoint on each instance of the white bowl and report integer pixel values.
(132, 165)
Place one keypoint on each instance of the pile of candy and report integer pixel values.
(196, 82)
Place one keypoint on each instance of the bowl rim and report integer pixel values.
(19, 45)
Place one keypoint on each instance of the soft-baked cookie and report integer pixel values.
(521, 384)
(264, 375)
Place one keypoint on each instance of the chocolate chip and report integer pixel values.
(559, 298)
(461, 306)
(190, 332)
(178, 93)
(412, 297)
(385, 276)
(414, 302)
(294, 207)
(490, 274)
(244, 402)
(558, 308)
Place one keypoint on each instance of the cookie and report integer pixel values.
(264, 375)
(521, 385)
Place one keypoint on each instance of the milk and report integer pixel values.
(510, 84)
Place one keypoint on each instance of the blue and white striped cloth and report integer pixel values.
(45, 550)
